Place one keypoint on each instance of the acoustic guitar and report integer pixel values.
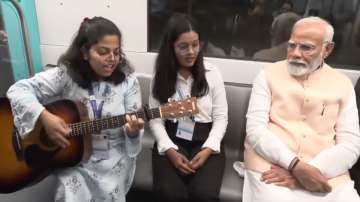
(26, 161)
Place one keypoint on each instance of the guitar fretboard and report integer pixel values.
(88, 127)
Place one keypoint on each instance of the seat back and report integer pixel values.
(238, 99)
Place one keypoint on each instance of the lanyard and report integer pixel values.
(97, 111)
(182, 97)
(180, 93)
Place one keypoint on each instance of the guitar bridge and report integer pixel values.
(16, 141)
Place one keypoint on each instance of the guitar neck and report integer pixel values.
(97, 125)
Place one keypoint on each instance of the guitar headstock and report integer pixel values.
(177, 109)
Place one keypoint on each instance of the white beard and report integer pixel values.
(301, 68)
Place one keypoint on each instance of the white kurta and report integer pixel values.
(97, 179)
(272, 148)
(257, 191)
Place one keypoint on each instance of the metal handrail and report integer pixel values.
(25, 37)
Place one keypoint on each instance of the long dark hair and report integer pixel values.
(167, 66)
(91, 31)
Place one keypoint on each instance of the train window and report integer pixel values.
(259, 29)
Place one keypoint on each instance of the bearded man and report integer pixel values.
(302, 125)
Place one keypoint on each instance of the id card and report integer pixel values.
(185, 129)
(101, 146)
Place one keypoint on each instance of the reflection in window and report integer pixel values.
(259, 29)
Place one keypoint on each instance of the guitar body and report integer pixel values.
(24, 162)
(35, 157)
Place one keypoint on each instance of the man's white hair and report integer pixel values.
(329, 30)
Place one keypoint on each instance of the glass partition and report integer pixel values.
(6, 78)
(19, 42)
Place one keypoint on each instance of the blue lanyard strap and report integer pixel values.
(180, 93)
(183, 97)
(97, 111)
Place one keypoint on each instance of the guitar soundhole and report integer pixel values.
(35, 156)
(44, 139)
